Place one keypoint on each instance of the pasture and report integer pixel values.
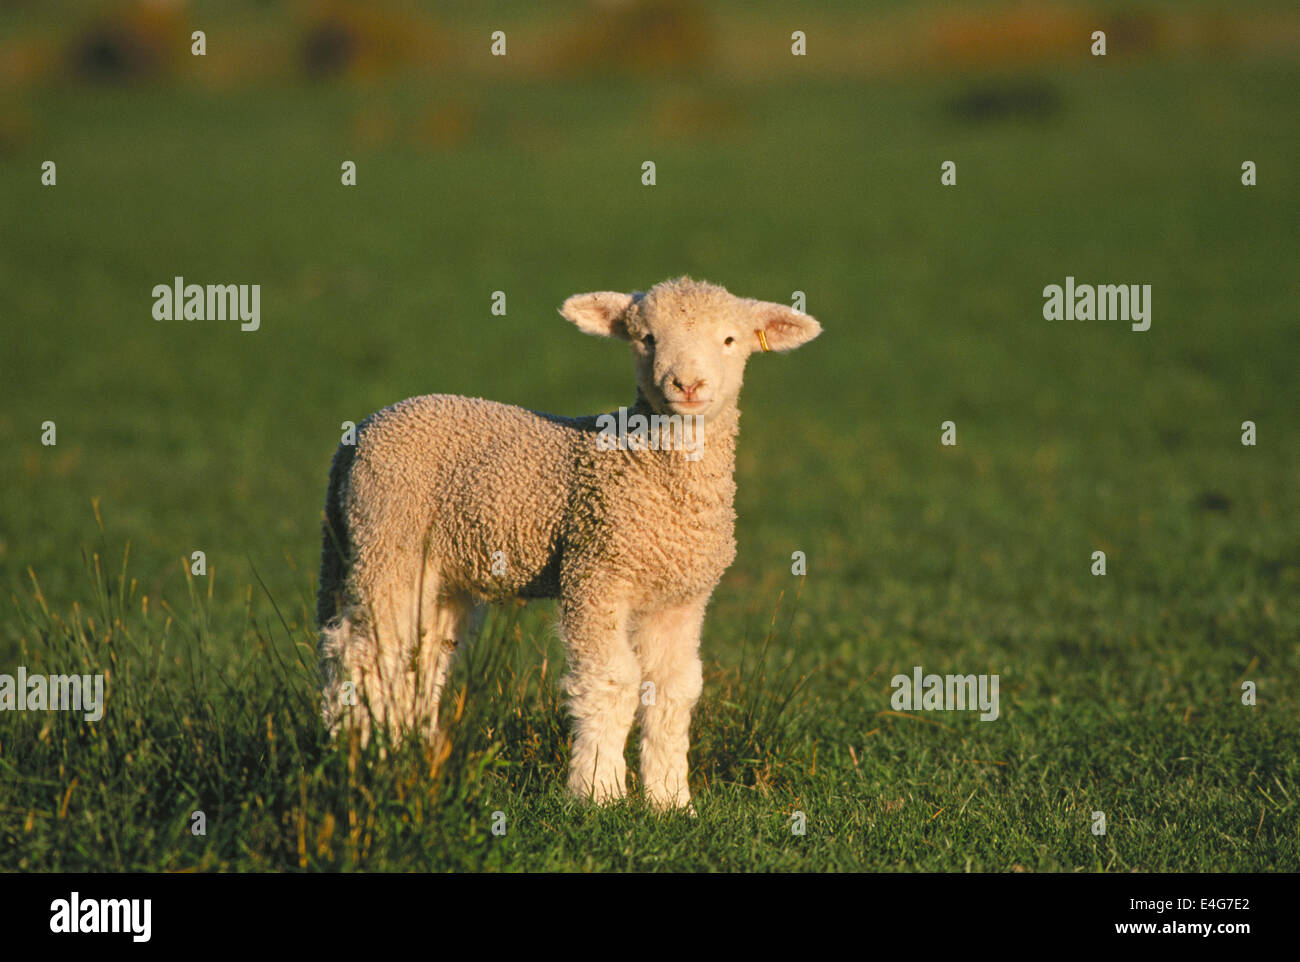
(1120, 694)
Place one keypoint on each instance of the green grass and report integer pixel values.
(1119, 694)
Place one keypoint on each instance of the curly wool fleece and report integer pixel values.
(445, 502)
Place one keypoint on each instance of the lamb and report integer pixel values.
(445, 502)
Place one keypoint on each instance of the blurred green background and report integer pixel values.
(775, 173)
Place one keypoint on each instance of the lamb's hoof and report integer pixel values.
(670, 804)
(603, 793)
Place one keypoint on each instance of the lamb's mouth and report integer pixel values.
(687, 407)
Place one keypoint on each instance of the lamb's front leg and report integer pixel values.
(602, 689)
(667, 643)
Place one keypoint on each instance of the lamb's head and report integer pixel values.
(690, 340)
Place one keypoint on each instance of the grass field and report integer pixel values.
(1120, 694)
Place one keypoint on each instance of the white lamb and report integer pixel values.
(445, 502)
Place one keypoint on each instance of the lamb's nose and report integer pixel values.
(688, 389)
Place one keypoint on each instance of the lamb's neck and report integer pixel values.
(718, 444)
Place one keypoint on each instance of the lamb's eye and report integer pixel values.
(648, 340)
(729, 341)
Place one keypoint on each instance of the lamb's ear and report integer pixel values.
(598, 313)
(780, 328)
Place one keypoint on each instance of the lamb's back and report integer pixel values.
(487, 482)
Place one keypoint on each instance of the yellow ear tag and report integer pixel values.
(762, 339)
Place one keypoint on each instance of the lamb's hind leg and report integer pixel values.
(369, 656)
(361, 676)
(442, 635)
